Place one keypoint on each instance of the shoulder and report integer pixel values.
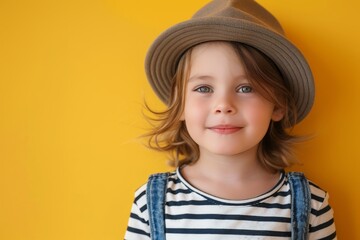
(321, 215)
(322, 224)
(167, 178)
(319, 197)
(317, 192)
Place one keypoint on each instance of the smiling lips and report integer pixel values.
(225, 129)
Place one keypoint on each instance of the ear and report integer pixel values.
(277, 114)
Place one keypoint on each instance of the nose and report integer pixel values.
(225, 106)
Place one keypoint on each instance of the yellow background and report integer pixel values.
(71, 92)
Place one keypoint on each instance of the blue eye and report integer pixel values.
(203, 89)
(245, 89)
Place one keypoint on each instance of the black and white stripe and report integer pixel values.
(193, 214)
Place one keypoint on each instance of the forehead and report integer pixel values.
(215, 47)
(215, 59)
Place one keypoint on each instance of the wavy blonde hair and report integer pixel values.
(169, 133)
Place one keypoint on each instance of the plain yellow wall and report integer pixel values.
(72, 86)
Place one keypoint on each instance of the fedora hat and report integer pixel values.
(242, 21)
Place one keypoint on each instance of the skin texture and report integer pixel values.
(227, 118)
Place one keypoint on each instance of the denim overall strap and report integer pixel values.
(300, 205)
(155, 193)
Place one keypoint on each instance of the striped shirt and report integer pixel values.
(193, 214)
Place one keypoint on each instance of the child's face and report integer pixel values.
(223, 114)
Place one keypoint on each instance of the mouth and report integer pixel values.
(225, 129)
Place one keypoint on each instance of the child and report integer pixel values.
(233, 85)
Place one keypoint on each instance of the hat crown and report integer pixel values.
(247, 10)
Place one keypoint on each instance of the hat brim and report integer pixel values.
(166, 51)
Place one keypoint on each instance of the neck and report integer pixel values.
(230, 177)
(243, 166)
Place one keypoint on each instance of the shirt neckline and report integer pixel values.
(250, 201)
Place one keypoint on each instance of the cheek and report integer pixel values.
(193, 115)
(195, 108)
(261, 113)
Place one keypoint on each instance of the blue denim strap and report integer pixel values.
(300, 205)
(155, 193)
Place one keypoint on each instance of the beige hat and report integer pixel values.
(242, 21)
